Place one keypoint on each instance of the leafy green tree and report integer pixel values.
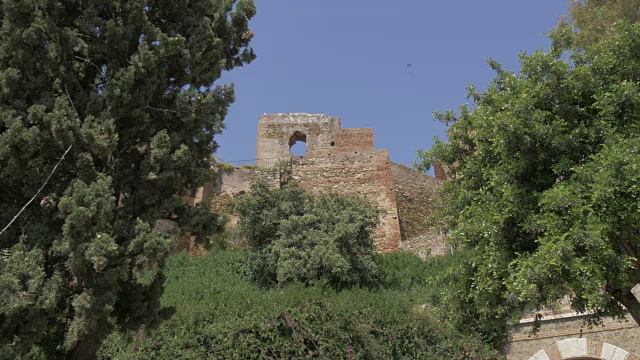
(125, 89)
(544, 184)
(295, 237)
(592, 21)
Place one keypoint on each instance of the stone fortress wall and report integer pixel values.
(341, 160)
(336, 160)
(345, 160)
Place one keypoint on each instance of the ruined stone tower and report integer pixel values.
(340, 160)
(337, 159)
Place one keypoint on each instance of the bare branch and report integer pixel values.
(89, 62)
(37, 192)
(71, 101)
(163, 110)
(50, 174)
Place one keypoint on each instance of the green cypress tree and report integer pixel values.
(125, 89)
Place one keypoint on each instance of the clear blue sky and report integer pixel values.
(348, 58)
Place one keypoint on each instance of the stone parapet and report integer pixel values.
(564, 334)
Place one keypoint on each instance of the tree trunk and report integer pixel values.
(628, 299)
(85, 349)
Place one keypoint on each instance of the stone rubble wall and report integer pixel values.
(365, 173)
(238, 180)
(345, 160)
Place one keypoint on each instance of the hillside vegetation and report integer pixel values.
(220, 313)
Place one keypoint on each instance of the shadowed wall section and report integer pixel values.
(416, 197)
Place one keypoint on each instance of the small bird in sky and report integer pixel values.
(410, 66)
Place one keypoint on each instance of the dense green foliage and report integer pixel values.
(222, 315)
(295, 237)
(592, 21)
(127, 86)
(443, 284)
(544, 189)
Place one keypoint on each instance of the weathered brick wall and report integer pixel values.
(367, 174)
(348, 140)
(416, 196)
(625, 335)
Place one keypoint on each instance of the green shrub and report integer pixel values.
(442, 283)
(222, 315)
(201, 222)
(294, 237)
(402, 270)
(228, 167)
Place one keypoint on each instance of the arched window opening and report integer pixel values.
(298, 144)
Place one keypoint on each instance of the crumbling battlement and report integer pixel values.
(321, 133)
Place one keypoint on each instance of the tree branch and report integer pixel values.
(37, 192)
(50, 174)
